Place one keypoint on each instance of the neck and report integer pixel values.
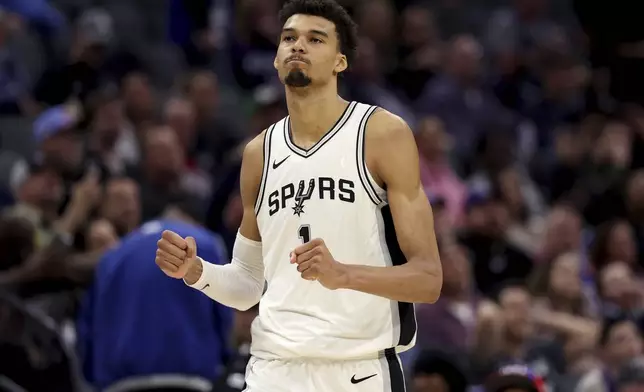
(313, 111)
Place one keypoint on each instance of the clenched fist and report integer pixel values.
(315, 262)
(177, 257)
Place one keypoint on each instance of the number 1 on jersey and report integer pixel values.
(304, 232)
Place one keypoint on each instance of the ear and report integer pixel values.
(275, 63)
(341, 63)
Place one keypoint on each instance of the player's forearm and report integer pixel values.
(239, 284)
(231, 285)
(412, 282)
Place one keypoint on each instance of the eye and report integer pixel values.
(316, 40)
(288, 38)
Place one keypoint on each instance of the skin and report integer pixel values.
(310, 44)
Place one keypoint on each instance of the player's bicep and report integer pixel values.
(250, 178)
(398, 168)
(414, 223)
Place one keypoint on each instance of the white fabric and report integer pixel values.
(239, 284)
(368, 375)
(324, 192)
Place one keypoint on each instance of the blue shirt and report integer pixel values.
(136, 321)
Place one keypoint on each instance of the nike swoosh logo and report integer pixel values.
(277, 164)
(355, 380)
(206, 286)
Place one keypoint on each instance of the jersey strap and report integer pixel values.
(363, 173)
(267, 159)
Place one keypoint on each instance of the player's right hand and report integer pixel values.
(176, 255)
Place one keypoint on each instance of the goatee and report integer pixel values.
(297, 78)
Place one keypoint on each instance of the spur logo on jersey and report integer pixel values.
(322, 188)
(301, 196)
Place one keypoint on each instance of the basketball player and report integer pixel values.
(336, 222)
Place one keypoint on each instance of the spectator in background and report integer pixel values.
(562, 233)
(494, 259)
(525, 206)
(563, 312)
(599, 190)
(505, 335)
(163, 177)
(376, 21)
(366, 82)
(451, 322)
(561, 169)
(621, 292)
(180, 114)
(216, 129)
(420, 52)
(620, 343)
(82, 73)
(253, 50)
(438, 371)
(436, 172)
(100, 236)
(38, 198)
(111, 140)
(138, 101)
(121, 205)
(514, 378)
(135, 324)
(614, 241)
(557, 285)
(458, 96)
(60, 147)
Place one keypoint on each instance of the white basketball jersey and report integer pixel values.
(325, 192)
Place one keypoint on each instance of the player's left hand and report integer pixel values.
(315, 262)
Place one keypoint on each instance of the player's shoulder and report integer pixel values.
(252, 164)
(255, 147)
(385, 127)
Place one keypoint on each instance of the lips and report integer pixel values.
(300, 59)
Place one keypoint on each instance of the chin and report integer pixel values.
(297, 78)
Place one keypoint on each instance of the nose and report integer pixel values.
(298, 46)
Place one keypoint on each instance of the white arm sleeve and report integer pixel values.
(239, 284)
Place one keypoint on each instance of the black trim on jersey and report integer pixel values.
(395, 372)
(305, 153)
(405, 310)
(360, 157)
(266, 164)
(364, 161)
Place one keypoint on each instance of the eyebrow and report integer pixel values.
(316, 32)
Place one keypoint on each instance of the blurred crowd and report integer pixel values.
(119, 115)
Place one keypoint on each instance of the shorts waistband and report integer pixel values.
(368, 357)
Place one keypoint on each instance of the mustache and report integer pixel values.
(296, 58)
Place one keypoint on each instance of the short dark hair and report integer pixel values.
(610, 323)
(330, 10)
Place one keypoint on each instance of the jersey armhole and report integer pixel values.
(368, 183)
(267, 157)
